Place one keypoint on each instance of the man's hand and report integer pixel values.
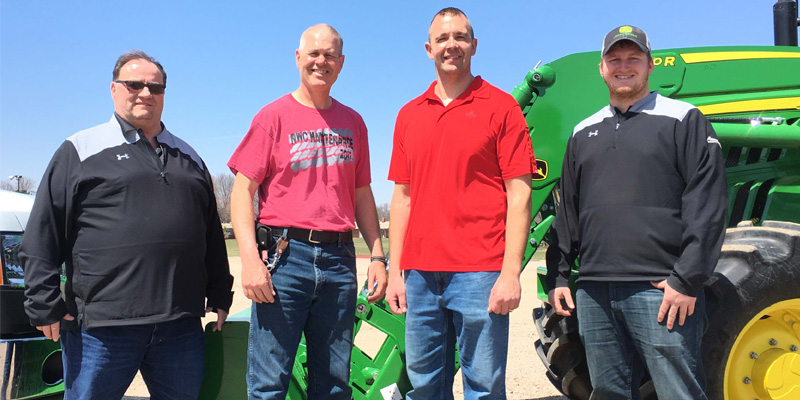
(675, 305)
(53, 331)
(222, 315)
(505, 294)
(376, 281)
(396, 295)
(555, 296)
(256, 280)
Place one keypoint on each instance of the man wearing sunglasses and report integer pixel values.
(129, 208)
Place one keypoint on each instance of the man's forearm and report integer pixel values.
(399, 213)
(242, 215)
(367, 220)
(518, 222)
(220, 281)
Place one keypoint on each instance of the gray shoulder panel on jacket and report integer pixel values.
(175, 142)
(600, 115)
(669, 108)
(89, 142)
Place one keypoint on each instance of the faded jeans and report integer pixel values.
(101, 363)
(618, 323)
(316, 294)
(445, 308)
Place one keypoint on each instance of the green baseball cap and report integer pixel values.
(626, 32)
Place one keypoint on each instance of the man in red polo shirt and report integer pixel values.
(462, 163)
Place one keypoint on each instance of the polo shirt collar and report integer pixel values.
(476, 89)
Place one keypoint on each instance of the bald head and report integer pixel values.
(316, 32)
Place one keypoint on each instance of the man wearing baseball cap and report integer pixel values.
(648, 226)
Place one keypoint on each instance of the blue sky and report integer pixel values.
(227, 59)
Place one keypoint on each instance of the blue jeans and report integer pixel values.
(101, 363)
(445, 308)
(316, 294)
(618, 323)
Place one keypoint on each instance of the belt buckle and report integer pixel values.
(311, 233)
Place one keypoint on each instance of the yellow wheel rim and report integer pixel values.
(764, 362)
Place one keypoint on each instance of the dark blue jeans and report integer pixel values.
(316, 294)
(101, 363)
(618, 323)
(445, 308)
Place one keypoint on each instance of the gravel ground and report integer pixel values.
(525, 379)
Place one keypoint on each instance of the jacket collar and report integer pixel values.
(133, 134)
(647, 103)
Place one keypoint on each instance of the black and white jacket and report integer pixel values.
(643, 197)
(140, 237)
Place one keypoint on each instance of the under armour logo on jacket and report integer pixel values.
(121, 156)
(593, 133)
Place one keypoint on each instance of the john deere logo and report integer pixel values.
(541, 170)
(625, 29)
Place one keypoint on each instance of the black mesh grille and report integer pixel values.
(774, 154)
(734, 153)
(761, 201)
(739, 203)
(754, 155)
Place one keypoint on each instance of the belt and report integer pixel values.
(314, 236)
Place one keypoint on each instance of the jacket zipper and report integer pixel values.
(160, 165)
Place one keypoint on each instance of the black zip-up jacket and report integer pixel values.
(643, 197)
(140, 237)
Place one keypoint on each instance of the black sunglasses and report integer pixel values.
(154, 88)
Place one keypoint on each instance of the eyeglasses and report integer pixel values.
(154, 88)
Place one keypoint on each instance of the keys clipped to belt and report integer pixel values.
(280, 247)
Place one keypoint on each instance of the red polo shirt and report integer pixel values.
(456, 159)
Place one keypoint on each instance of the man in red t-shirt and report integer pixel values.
(462, 164)
(308, 157)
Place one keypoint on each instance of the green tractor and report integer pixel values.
(751, 95)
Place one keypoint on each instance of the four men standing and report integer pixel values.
(130, 209)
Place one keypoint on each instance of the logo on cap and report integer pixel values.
(625, 29)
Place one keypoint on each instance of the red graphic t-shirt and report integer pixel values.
(308, 161)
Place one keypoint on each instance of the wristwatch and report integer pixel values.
(381, 259)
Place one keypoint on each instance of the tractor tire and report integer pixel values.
(562, 352)
(750, 348)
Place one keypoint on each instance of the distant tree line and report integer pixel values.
(383, 212)
(22, 184)
(223, 184)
